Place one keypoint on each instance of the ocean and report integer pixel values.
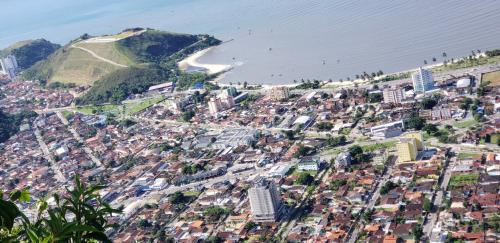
(279, 41)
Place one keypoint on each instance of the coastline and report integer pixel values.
(192, 62)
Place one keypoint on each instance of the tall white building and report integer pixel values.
(9, 66)
(394, 95)
(265, 201)
(422, 80)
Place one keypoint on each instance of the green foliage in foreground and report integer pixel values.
(81, 216)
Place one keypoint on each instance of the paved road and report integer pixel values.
(438, 199)
(86, 149)
(98, 57)
(371, 203)
(48, 156)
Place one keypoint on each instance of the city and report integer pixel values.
(377, 159)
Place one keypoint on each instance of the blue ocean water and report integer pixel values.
(277, 41)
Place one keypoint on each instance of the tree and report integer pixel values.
(302, 151)
(336, 141)
(177, 198)
(417, 232)
(431, 128)
(427, 205)
(81, 216)
(290, 135)
(387, 187)
(214, 239)
(375, 97)
(214, 212)
(336, 184)
(428, 103)
(416, 122)
(250, 225)
(355, 150)
(305, 179)
(188, 115)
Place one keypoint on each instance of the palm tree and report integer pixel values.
(425, 62)
(434, 59)
(444, 55)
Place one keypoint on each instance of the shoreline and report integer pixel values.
(192, 62)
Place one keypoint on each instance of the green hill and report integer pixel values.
(89, 59)
(30, 52)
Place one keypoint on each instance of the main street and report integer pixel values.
(438, 196)
(370, 203)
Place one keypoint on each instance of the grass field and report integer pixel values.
(108, 50)
(191, 193)
(90, 110)
(463, 179)
(467, 155)
(77, 66)
(467, 64)
(130, 108)
(493, 77)
(465, 124)
(378, 146)
(135, 107)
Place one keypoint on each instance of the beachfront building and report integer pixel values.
(9, 66)
(393, 95)
(220, 103)
(265, 201)
(407, 149)
(279, 93)
(423, 80)
(419, 139)
(214, 105)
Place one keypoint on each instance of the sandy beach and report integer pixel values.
(192, 61)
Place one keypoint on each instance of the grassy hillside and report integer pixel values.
(30, 52)
(88, 59)
(70, 65)
(154, 45)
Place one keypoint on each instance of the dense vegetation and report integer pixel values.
(158, 46)
(28, 53)
(493, 53)
(118, 85)
(9, 123)
(79, 216)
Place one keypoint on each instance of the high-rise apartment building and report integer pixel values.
(422, 80)
(407, 149)
(9, 66)
(419, 139)
(265, 201)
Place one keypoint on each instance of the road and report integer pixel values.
(98, 57)
(371, 203)
(86, 149)
(48, 156)
(438, 196)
